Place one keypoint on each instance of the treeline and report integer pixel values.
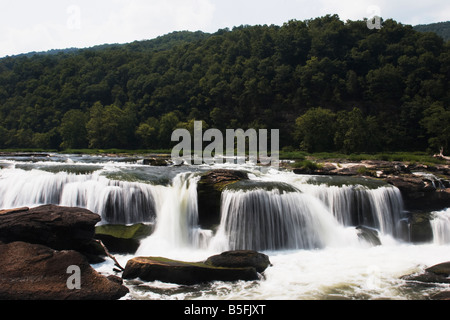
(328, 85)
(440, 28)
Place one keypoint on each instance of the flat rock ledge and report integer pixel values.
(239, 266)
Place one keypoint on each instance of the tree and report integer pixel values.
(437, 123)
(315, 130)
(73, 130)
(351, 131)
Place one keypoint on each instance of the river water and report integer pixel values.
(305, 224)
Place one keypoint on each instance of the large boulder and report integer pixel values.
(240, 259)
(181, 272)
(36, 272)
(209, 192)
(60, 228)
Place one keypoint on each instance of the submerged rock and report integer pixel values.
(36, 272)
(185, 273)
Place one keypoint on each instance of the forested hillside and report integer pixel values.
(328, 85)
(442, 29)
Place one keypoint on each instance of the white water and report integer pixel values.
(309, 236)
(441, 227)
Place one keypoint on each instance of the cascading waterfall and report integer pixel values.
(117, 202)
(441, 227)
(274, 220)
(353, 205)
(177, 218)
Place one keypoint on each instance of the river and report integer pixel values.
(307, 230)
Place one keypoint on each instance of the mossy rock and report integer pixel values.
(122, 238)
(181, 272)
(250, 185)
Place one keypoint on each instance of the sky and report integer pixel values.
(42, 25)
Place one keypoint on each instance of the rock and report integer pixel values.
(209, 191)
(442, 269)
(57, 227)
(155, 162)
(36, 272)
(444, 295)
(419, 229)
(369, 235)
(121, 238)
(240, 259)
(420, 194)
(185, 273)
(436, 274)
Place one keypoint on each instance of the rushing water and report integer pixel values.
(308, 229)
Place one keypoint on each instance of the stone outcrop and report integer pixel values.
(36, 272)
(38, 245)
(209, 191)
(231, 266)
(59, 228)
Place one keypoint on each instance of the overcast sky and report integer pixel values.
(56, 24)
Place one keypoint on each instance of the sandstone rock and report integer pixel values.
(36, 272)
(57, 227)
(240, 259)
(209, 191)
(180, 272)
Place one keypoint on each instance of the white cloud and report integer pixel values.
(49, 24)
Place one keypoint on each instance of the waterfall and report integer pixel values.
(352, 205)
(117, 202)
(273, 220)
(440, 225)
(177, 218)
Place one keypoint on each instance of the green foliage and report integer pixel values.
(274, 77)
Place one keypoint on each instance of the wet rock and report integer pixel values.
(59, 228)
(122, 238)
(36, 272)
(420, 230)
(420, 194)
(180, 272)
(369, 235)
(240, 259)
(209, 191)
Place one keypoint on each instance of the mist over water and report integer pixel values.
(308, 230)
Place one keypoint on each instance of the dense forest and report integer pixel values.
(440, 28)
(328, 85)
